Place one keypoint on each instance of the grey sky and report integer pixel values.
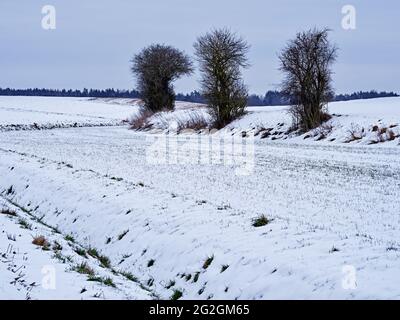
(95, 39)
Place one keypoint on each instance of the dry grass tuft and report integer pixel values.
(196, 122)
(41, 241)
(140, 121)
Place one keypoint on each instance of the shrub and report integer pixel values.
(306, 62)
(156, 68)
(221, 55)
(41, 241)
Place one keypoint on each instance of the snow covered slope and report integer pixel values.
(357, 122)
(56, 269)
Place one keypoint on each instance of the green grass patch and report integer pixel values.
(70, 238)
(24, 224)
(81, 252)
(84, 268)
(176, 295)
(104, 261)
(260, 221)
(129, 276)
(106, 281)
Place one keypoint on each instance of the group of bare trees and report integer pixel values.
(306, 62)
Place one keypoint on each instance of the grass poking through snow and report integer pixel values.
(81, 252)
(24, 224)
(106, 281)
(260, 221)
(129, 276)
(208, 262)
(104, 260)
(84, 268)
(69, 237)
(177, 295)
(224, 267)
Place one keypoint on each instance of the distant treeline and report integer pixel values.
(85, 93)
(271, 98)
(365, 95)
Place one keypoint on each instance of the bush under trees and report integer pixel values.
(306, 62)
(156, 68)
(221, 55)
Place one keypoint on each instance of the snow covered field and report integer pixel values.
(185, 227)
(26, 113)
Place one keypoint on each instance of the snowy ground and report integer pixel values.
(186, 225)
(24, 113)
(34, 271)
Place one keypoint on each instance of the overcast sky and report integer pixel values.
(94, 40)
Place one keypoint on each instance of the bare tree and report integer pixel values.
(306, 62)
(221, 55)
(156, 68)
